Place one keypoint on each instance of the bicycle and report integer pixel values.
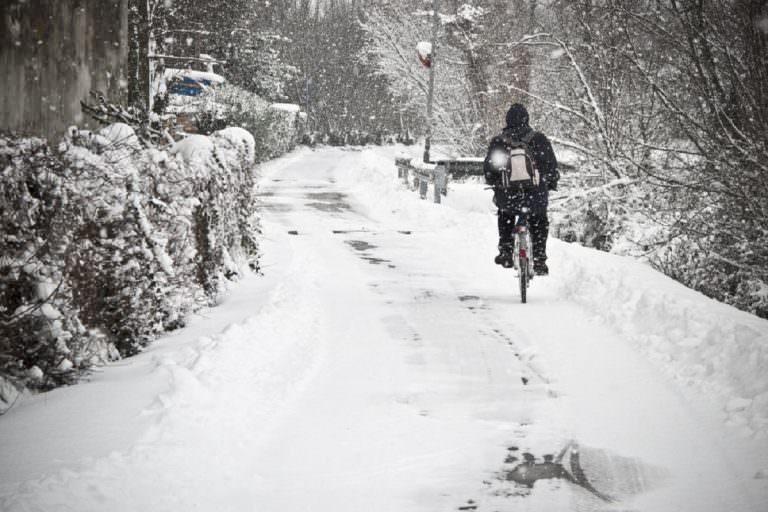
(522, 252)
(522, 255)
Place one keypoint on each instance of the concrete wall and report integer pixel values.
(52, 53)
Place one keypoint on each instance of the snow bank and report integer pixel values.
(711, 347)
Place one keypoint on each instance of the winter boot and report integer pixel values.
(504, 258)
(540, 268)
(539, 225)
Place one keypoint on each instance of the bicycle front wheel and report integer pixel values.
(523, 280)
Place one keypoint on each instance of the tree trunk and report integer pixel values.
(138, 54)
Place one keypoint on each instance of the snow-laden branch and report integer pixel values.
(582, 193)
(145, 228)
(553, 104)
(598, 112)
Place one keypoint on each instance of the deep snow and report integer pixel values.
(384, 363)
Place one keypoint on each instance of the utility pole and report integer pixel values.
(431, 92)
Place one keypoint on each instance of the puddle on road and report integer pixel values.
(529, 471)
(375, 261)
(330, 207)
(378, 261)
(605, 476)
(348, 231)
(472, 302)
(327, 196)
(276, 207)
(425, 296)
(334, 202)
(360, 245)
(363, 230)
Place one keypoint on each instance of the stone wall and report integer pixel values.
(52, 53)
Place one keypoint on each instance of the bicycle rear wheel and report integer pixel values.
(523, 280)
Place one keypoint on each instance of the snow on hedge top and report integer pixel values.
(237, 135)
(241, 140)
(233, 144)
(119, 134)
(193, 148)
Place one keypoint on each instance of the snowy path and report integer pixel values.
(383, 363)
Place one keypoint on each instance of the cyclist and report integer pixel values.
(533, 203)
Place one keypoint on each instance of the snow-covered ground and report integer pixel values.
(384, 363)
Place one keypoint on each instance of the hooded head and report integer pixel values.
(517, 117)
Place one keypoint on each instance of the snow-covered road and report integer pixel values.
(384, 363)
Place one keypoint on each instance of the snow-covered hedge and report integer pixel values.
(276, 128)
(630, 217)
(105, 244)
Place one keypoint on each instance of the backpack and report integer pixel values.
(519, 171)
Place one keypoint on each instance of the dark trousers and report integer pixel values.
(538, 224)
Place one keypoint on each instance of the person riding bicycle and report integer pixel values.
(531, 202)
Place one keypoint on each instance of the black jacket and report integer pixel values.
(546, 163)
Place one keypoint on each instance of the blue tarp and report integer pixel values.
(188, 87)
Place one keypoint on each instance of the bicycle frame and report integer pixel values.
(522, 255)
(523, 248)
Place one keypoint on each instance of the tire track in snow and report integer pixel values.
(492, 329)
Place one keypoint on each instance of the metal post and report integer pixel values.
(440, 180)
(431, 92)
(423, 184)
